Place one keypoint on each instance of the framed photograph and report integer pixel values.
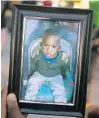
(50, 52)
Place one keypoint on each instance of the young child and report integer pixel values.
(48, 65)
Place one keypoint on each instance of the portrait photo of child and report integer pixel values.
(49, 61)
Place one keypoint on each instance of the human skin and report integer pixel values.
(95, 42)
(9, 105)
(51, 46)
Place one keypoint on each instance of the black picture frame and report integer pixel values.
(84, 18)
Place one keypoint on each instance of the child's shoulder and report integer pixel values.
(35, 54)
(64, 56)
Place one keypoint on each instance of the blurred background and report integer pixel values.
(6, 23)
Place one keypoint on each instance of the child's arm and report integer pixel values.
(64, 69)
(66, 65)
(32, 66)
(33, 62)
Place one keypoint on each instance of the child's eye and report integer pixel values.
(45, 44)
(54, 46)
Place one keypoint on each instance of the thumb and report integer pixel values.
(13, 109)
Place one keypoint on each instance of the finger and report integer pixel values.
(4, 93)
(4, 101)
(25, 115)
(13, 109)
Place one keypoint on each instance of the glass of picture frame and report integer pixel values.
(49, 59)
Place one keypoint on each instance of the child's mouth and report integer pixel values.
(48, 55)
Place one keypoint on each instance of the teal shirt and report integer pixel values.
(60, 66)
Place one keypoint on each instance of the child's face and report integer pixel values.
(51, 46)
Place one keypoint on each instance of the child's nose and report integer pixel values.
(49, 49)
